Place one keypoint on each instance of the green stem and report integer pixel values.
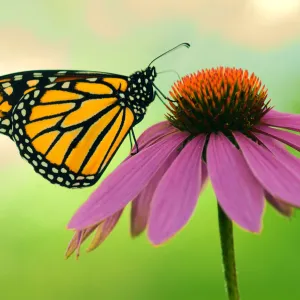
(227, 244)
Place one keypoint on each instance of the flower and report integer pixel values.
(219, 125)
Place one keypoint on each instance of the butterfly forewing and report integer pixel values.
(68, 127)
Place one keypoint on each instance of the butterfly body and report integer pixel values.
(69, 124)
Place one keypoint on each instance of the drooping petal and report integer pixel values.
(270, 171)
(78, 238)
(286, 137)
(103, 231)
(140, 208)
(125, 183)
(282, 207)
(238, 192)
(177, 193)
(290, 161)
(282, 120)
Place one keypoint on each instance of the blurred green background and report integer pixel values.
(122, 37)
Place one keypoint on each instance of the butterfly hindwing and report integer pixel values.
(70, 128)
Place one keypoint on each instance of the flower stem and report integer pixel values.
(227, 244)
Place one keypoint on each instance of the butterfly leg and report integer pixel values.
(132, 137)
(160, 94)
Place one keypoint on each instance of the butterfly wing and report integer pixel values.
(14, 86)
(70, 129)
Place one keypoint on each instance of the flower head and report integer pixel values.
(219, 126)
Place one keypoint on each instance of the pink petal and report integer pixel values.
(286, 137)
(272, 173)
(78, 238)
(238, 192)
(279, 205)
(141, 204)
(125, 183)
(104, 230)
(154, 134)
(283, 120)
(176, 195)
(290, 161)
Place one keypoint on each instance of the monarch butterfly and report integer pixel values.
(69, 124)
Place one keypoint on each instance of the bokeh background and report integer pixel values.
(262, 36)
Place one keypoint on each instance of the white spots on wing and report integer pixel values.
(36, 93)
(60, 179)
(6, 84)
(3, 130)
(23, 112)
(35, 163)
(72, 176)
(44, 164)
(63, 170)
(52, 79)
(26, 96)
(50, 176)
(29, 149)
(91, 79)
(6, 122)
(50, 85)
(42, 171)
(21, 105)
(37, 75)
(16, 117)
(61, 72)
(18, 77)
(66, 85)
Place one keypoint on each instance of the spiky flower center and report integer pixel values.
(221, 99)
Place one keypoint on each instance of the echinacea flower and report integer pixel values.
(220, 126)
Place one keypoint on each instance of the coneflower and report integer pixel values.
(220, 125)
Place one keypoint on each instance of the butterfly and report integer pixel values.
(69, 124)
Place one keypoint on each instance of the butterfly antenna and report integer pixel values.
(187, 45)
